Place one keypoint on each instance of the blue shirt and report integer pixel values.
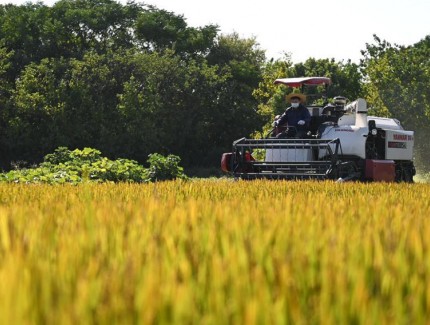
(293, 115)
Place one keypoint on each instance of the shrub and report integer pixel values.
(88, 164)
(163, 168)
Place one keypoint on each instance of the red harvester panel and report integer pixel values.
(225, 161)
(380, 170)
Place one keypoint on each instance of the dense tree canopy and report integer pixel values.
(127, 79)
(398, 85)
(133, 79)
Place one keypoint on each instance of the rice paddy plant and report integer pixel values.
(215, 252)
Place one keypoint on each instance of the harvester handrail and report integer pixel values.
(288, 143)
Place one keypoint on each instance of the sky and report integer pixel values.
(320, 29)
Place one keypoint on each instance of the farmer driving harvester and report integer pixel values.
(296, 118)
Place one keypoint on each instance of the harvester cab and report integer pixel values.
(342, 143)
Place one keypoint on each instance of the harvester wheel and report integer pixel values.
(407, 175)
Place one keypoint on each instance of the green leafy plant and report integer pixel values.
(88, 165)
(163, 168)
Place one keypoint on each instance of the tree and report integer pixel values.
(170, 107)
(62, 102)
(346, 78)
(123, 79)
(160, 30)
(397, 85)
(21, 33)
(270, 97)
(33, 107)
(79, 26)
(5, 91)
(237, 113)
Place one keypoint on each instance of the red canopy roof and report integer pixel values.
(308, 81)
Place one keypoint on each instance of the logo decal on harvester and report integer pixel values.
(397, 145)
(403, 137)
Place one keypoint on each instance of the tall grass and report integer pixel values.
(215, 252)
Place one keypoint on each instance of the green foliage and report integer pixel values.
(127, 79)
(345, 76)
(61, 155)
(398, 79)
(163, 168)
(271, 97)
(5, 65)
(66, 166)
(242, 60)
(161, 30)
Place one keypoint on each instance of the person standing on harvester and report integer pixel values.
(297, 115)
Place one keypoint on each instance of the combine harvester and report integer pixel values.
(343, 143)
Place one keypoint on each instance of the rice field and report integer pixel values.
(215, 252)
